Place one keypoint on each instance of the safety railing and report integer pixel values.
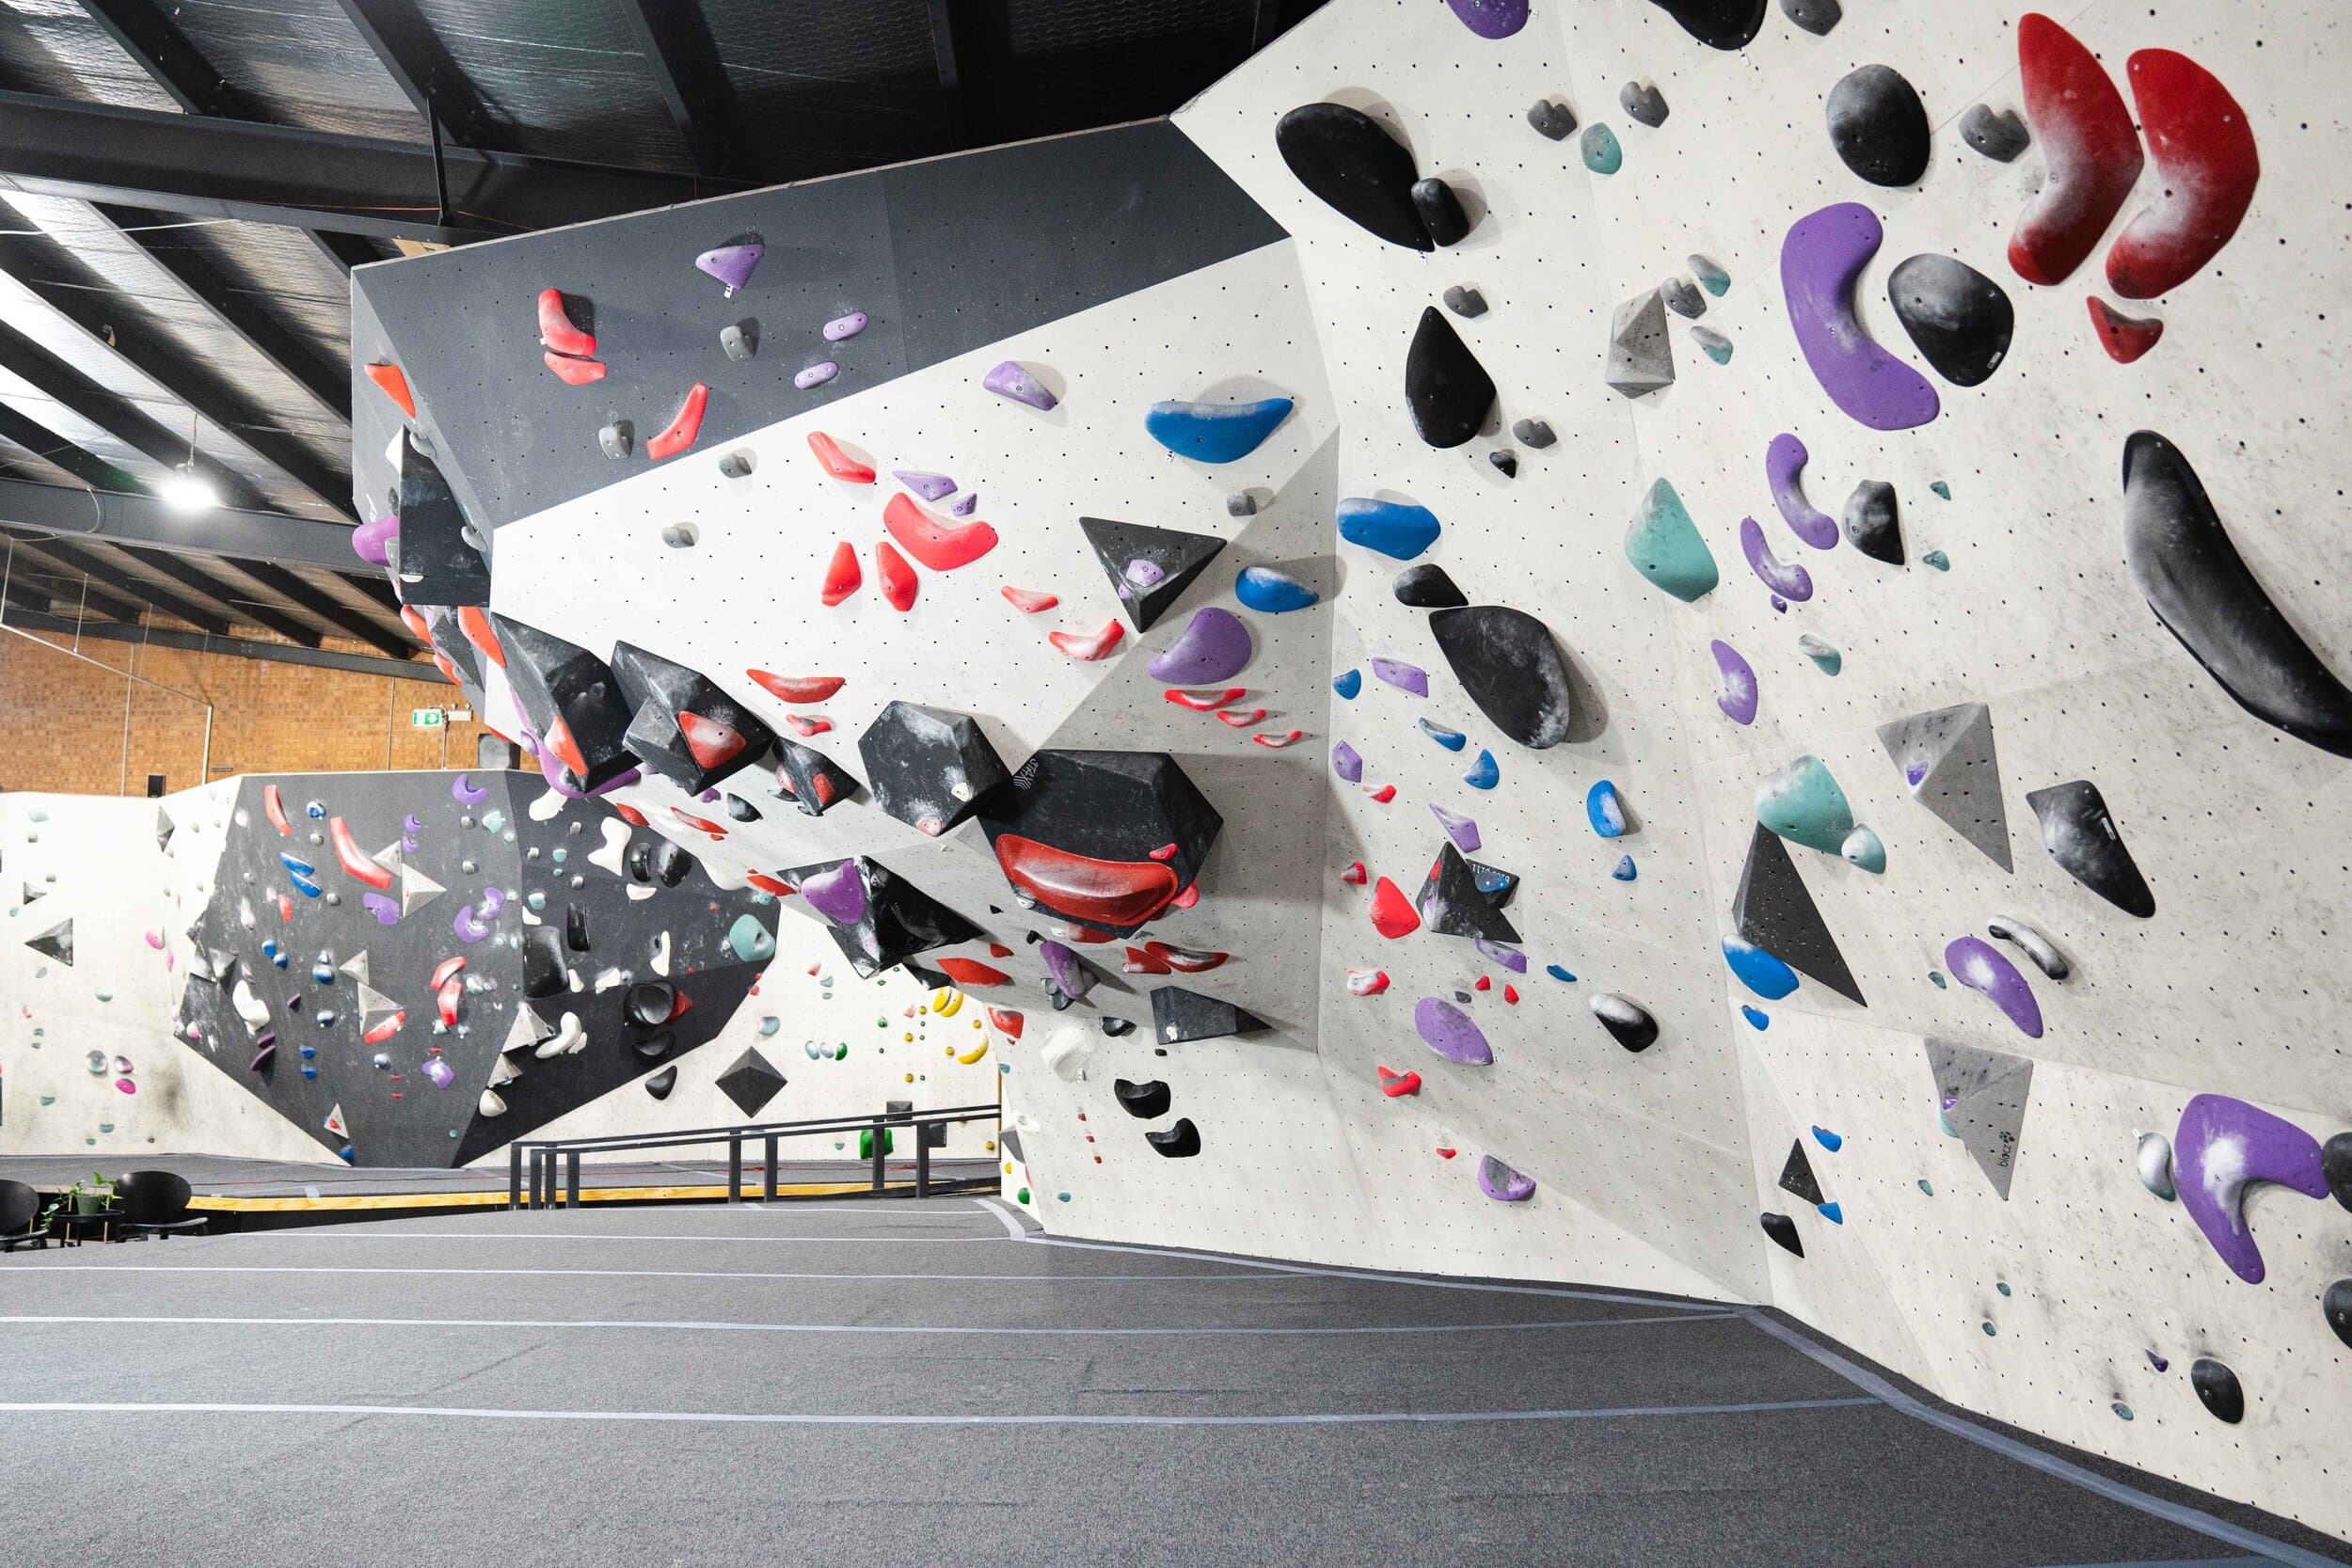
(531, 1164)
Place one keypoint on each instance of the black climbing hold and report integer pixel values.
(1507, 661)
(1532, 433)
(1631, 1023)
(1556, 121)
(57, 943)
(1114, 1026)
(648, 1003)
(927, 767)
(2081, 836)
(668, 863)
(741, 809)
(1465, 302)
(1180, 1142)
(2335, 1162)
(750, 1082)
(897, 920)
(1441, 212)
(1797, 1175)
(655, 1046)
(681, 725)
(543, 962)
(1959, 317)
(1179, 1015)
(1348, 160)
(1879, 126)
(815, 782)
(433, 559)
(1454, 901)
(1998, 137)
(1447, 390)
(1149, 568)
(1506, 461)
(1646, 105)
(1425, 586)
(1717, 24)
(2199, 587)
(1122, 811)
(1147, 1101)
(449, 640)
(575, 929)
(1683, 297)
(1774, 911)
(661, 1083)
(2217, 1389)
(1814, 16)
(2335, 1305)
(571, 699)
(1872, 524)
(1781, 1229)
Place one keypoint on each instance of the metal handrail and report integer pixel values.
(542, 1153)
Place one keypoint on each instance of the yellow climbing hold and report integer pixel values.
(945, 1000)
(969, 1057)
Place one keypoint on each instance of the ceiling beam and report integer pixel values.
(70, 593)
(374, 588)
(412, 55)
(24, 595)
(207, 168)
(957, 48)
(239, 606)
(76, 513)
(342, 252)
(114, 517)
(150, 37)
(674, 39)
(75, 559)
(116, 414)
(234, 647)
(326, 607)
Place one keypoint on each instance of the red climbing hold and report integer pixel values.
(700, 824)
(1081, 936)
(713, 744)
(842, 578)
(566, 750)
(775, 886)
(1007, 1022)
(1367, 982)
(898, 582)
(1396, 1086)
(1205, 704)
(1187, 898)
(475, 622)
(1511, 993)
(274, 807)
(2206, 168)
(1444, 1153)
(629, 814)
(1235, 719)
(1140, 962)
(1383, 795)
(442, 971)
(683, 429)
(449, 671)
(839, 463)
(805, 725)
(2124, 338)
(1029, 601)
(575, 373)
(2087, 137)
(1393, 913)
(1090, 646)
(799, 688)
(999, 950)
(1186, 960)
(394, 385)
(1354, 875)
(556, 331)
(971, 971)
(1275, 742)
(939, 545)
(356, 863)
(1483, 983)
(1104, 892)
(416, 623)
(1164, 852)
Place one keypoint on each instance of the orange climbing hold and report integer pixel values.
(389, 379)
(898, 582)
(842, 578)
(941, 546)
(799, 688)
(839, 463)
(556, 331)
(683, 429)
(1393, 913)
(475, 622)
(1027, 600)
(575, 373)
(1105, 893)
(1088, 646)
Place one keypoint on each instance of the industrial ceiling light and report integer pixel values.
(187, 489)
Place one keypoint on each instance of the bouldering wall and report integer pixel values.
(1694, 647)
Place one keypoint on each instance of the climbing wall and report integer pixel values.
(1684, 644)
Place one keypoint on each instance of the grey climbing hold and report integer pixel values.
(1683, 297)
(2082, 839)
(1987, 1092)
(740, 339)
(1774, 911)
(1241, 503)
(1641, 357)
(1782, 1230)
(1948, 759)
(1532, 433)
(1643, 103)
(1879, 126)
(1447, 390)
(1554, 121)
(1814, 16)
(616, 436)
(1465, 302)
(1999, 136)
(1711, 278)
(1425, 586)
(2217, 1389)
(1713, 343)
(1872, 523)
(1626, 1020)
(1960, 320)
(1441, 212)
(2152, 1158)
(2040, 949)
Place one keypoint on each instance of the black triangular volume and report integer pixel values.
(436, 564)
(561, 683)
(1797, 1175)
(1179, 1015)
(681, 725)
(1454, 903)
(1149, 568)
(1774, 912)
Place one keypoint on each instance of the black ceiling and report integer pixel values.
(186, 185)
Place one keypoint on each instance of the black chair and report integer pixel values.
(155, 1203)
(20, 1217)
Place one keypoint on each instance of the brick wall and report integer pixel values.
(62, 720)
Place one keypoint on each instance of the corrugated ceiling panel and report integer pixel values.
(302, 63)
(566, 74)
(53, 47)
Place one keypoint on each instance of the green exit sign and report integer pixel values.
(426, 717)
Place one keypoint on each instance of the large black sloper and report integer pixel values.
(927, 767)
(571, 699)
(1347, 159)
(1447, 390)
(1507, 661)
(682, 726)
(1960, 319)
(1122, 807)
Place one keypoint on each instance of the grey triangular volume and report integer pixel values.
(1149, 568)
(1984, 1095)
(1797, 1175)
(57, 941)
(1774, 912)
(1947, 759)
(163, 830)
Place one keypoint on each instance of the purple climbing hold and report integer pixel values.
(1784, 461)
(1739, 697)
(466, 792)
(368, 541)
(815, 375)
(1009, 380)
(1347, 763)
(2222, 1146)
(965, 504)
(438, 1069)
(1786, 580)
(386, 911)
(1491, 19)
(469, 926)
(1820, 257)
(1071, 976)
(1213, 648)
(1509, 958)
(845, 326)
(732, 264)
(1461, 829)
(1981, 967)
(838, 895)
(1403, 677)
(931, 487)
(1495, 1178)
(1447, 1030)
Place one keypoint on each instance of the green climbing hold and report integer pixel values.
(1827, 658)
(1945, 491)
(1937, 975)
(1938, 559)
(2122, 1410)
(1603, 154)
(748, 941)
(1989, 1329)
(865, 1144)
(1803, 805)
(1664, 546)
(1022, 1196)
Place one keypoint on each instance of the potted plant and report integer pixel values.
(94, 1197)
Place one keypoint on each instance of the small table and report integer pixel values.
(70, 1223)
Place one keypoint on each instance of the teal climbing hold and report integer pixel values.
(1711, 278)
(1937, 975)
(1347, 683)
(1863, 847)
(2122, 1411)
(1938, 559)
(1603, 154)
(1760, 1019)
(1925, 1187)
(1664, 546)
(1803, 805)
(1713, 343)
(2002, 1286)
(748, 941)
(1485, 774)
(1822, 654)
(1624, 871)
(1989, 1329)
(1941, 488)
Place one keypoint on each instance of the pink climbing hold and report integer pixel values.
(839, 463)
(1027, 600)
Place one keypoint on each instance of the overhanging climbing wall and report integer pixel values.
(1583, 676)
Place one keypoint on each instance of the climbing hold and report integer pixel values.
(1937, 559)
(1012, 380)
(927, 767)
(1827, 658)
(839, 464)
(1149, 568)
(2223, 1145)
(841, 327)
(941, 546)
(2152, 1158)
(390, 380)
(1347, 762)
(1456, 901)
(1553, 121)
(1640, 355)
(1427, 587)
(739, 340)
(931, 486)
(1087, 647)
(1532, 433)
(1760, 972)
(1398, 1085)
(1605, 810)
(1949, 762)
(1979, 966)
(1213, 647)
(1797, 1178)
(681, 431)
(2124, 338)
(1864, 848)
(2082, 839)
(732, 264)
(1441, 212)
(2191, 575)
(616, 436)
(815, 375)
(1146, 1101)
(1367, 982)
(1642, 103)
(1819, 260)
(1271, 591)
(1502, 1184)
(1871, 521)
(1511, 669)
(2335, 1305)
(1403, 677)
(1803, 803)
(1483, 774)
(1959, 319)
(1713, 343)
(2044, 953)
(899, 584)
(2335, 1162)
(1447, 391)
(1397, 530)
(1602, 154)
(557, 332)
(1737, 695)
(1814, 16)
(1179, 1015)
(1784, 461)
(2088, 142)
(2217, 1387)
(1834, 1214)
(1447, 1030)
(2207, 169)
(1465, 301)
(1683, 298)
(1782, 1230)
(1452, 741)
(1350, 162)
(1787, 579)
(1623, 870)
(1214, 432)
(1626, 1019)
(1392, 915)
(1665, 546)
(1717, 24)
(1180, 1142)
(1506, 464)
(1879, 126)
(1774, 911)
(1999, 136)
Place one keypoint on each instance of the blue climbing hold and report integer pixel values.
(303, 886)
(1829, 1140)
(1624, 871)
(1604, 810)
(1347, 683)
(1272, 593)
(300, 869)
(1485, 774)
(1940, 488)
(1214, 432)
(1452, 741)
(1832, 1212)
(1758, 1020)
(1397, 530)
(1757, 970)
(1558, 973)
